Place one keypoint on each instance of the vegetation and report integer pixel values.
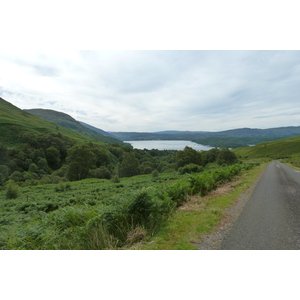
(63, 190)
(14, 123)
(98, 213)
(274, 150)
(67, 121)
(287, 150)
(199, 216)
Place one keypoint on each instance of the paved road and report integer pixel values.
(271, 218)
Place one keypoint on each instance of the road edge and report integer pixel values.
(213, 240)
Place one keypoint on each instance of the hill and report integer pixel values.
(67, 121)
(14, 122)
(234, 138)
(96, 129)
(284, 148)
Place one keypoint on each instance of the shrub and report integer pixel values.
(115, 179)
(16, 176)
(197, 184)
(100, 173)
(190, 168)
(12, 191)
(140, 208)
(155, 174)
(179, 192)
(61, 187)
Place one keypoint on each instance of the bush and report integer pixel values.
(62, 187)
(190, 168)
(12, 191)
(140, 208)
(16, 176)
(100, 173)
(155, 174)
(115, 179)
(179, 192)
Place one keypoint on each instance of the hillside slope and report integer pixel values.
(14, 122)
(275, 150)
(67, 121)
(96, 129)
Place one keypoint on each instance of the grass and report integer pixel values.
(273, 150)
(187, 226)
(101, 214)
(14, 122)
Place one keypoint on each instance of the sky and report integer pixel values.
(158, 90)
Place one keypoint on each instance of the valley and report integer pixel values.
(65, 184)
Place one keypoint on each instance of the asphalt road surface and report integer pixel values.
(271, 218)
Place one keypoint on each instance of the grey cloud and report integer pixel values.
(155, 90)
(46, 71)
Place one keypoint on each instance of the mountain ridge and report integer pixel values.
(67, 121)
(14, 122)
(240, 137)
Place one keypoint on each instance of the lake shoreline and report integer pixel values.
(167, 145)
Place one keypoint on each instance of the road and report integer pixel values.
(271, 218)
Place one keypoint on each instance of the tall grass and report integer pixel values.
(107, 217)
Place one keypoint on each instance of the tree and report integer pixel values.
(42, 164)
(33, 168)
(16, 176)
(188, 156)
(53, 157)
(210, 156)
(102, 158)
(3, 154)
(226, 157)
(101, 173)
(80, 160)
(129, 165)
(4, 173)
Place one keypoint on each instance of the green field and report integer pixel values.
(99, 214)
(287, 150)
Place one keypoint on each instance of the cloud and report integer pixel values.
(158, 90)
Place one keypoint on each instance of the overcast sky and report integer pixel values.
(158, 90)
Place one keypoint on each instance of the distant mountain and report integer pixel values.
(177, 132)
(240, 137)
(100, 131)
(67, 121)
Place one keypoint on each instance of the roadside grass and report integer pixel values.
(293, 161)
(199, 216)
(101, 214)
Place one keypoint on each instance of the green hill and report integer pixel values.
(289, 147)
(67, 121)
(14, 122)
(96, 129)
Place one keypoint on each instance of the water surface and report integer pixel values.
(167, 145)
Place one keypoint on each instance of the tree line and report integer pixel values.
(50, 158)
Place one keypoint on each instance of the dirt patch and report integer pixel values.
(192, 203)
(222, 190)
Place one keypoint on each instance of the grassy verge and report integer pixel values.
(199, 216)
